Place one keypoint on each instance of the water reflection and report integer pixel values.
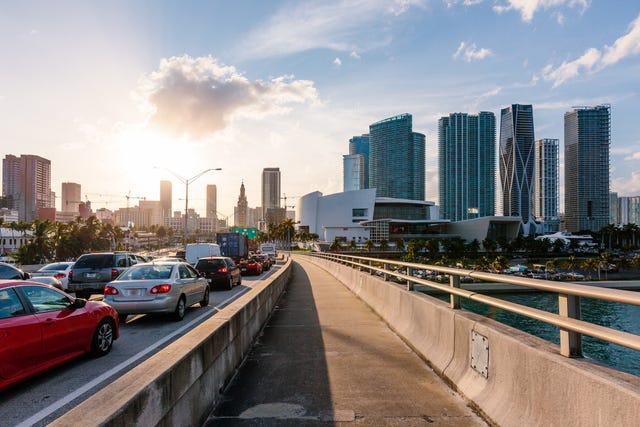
(612, 315)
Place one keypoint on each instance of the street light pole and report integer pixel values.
(186, 182)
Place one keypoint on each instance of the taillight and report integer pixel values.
(160, 289)
(223, 270)
(60, 276)
(70, 275)
(114, 273)
(110, 290)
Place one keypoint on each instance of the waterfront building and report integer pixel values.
(629, 210)
(517, 163)
(353, 166)
(545, 184)
(360, 145)
(467, 166)
(270, 190)
(397, 159)
(587, 136)
(166, 198)
(27, 180)
(71, 197)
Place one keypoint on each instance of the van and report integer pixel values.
(195, 251)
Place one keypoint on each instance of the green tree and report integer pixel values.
(384, 245)
(500, 264)
(369, 245)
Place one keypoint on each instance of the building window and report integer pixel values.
(359, 212)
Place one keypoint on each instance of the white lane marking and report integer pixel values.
(39, 416)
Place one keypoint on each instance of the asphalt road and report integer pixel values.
(45, 397)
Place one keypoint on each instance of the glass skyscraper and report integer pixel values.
(466, 165)
(545, 187)
(397, 159)
(359, 145)
(517, 162)
(587, 135)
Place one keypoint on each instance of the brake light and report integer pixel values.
(160, 289)
(114, 273)
(60, 276)
(110, 290)
(70, 275)
(223, 270)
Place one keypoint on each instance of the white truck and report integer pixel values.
(269, 249)
(194, 251)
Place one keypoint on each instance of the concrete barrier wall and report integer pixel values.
(180, 385)
(528, 382)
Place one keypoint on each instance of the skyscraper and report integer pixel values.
(27, 179)
(212, 205)
(587, 135)
(467, 166)
(270, 190)
(71, 197)
(397, 159)
(242, 209)
(545, 184)
(517, 162)
(165, 199)
(353, 166)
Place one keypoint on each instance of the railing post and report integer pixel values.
(371, 267)
(409, 282)
(385, 276)
(454, 282)
(570, 342)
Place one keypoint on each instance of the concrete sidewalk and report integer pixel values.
(325, 358)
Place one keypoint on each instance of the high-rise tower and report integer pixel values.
(242, 210)
(545, 184)
(270, 190)
(71, 197)
(517, 162)
(165, 199)
(587, 135)
(397, 159)
(467, 166)
(27, 179)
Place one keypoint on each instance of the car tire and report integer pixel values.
(103, 337)
(205, 298)
(181, 308)
(230, 285)
(122, 318)
(239, 280)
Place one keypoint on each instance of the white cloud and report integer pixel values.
(627, 186)
(199, 97)
(634, 156)
(335, 25)
(470, 52)
(354, 55)
(594, 60)
(337, 62)
(528, 8)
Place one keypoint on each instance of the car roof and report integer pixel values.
(213, 257)
(9, 283)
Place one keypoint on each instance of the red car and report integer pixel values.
(250, 266)
(42, 327)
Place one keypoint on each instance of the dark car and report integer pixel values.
(219, 270)
(266, 261)
(8, 271)
(42, 327)
(92, 272)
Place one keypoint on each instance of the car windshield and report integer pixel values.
(94, 261)
(147, 272)
(210, 264)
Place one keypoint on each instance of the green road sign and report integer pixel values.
(250, 232)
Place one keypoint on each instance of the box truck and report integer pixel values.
(194, 251)
(233, 245)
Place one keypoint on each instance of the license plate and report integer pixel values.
(91, 275)
(135, 292)
(244, 269)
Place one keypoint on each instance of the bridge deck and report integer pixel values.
(325, 358)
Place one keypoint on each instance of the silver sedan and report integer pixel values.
(157, 287)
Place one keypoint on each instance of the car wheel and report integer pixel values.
(103, 338)
(205, 298)
(181, 308)
(122, 318)
(230, 285)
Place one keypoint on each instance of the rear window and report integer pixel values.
(95, 261)
(54, 267)
(210, 264)
(147, 272)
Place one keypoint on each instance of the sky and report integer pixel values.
(120, 95)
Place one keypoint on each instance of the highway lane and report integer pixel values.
(49, 395)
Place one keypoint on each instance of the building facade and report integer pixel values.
(587, 137)
(166, 198)
(270, 189)
(466, 165)
(545, 185)
(212, 204)
(397, 159)
(629, 210)
(517, 163)
(614, 212)
(242, 209)
(354, 170)
(27, 180)
(360, 145)
(71, 197)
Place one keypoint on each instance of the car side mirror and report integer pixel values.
(78, 303)
(26, 276)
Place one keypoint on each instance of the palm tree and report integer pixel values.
(336, 246)
(592, 264)
(369, 245)
(384, 245)
(399, 244)
(500, 264)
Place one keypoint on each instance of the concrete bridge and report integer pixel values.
(323, 343)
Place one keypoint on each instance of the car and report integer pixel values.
(265, 260)
(91, 272)
(219, 270)
(48, 280)
(43, 327)
(157, 287)
(59, 270)
(8, 271)
(250, 266)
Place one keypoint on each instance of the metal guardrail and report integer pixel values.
(567, 319)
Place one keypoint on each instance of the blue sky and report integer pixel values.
(108, 90)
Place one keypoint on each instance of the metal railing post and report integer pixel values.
(371, 267)
(385, 276)
(454, 300)
(409, 282)
(570, 342)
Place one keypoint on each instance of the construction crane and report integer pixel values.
(285, 201)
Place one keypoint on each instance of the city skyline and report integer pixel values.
(281, 84)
